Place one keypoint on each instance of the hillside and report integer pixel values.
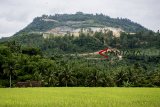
(73, 23)
(83, 33)
(72, 60)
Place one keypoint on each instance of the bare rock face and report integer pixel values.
(63, 30)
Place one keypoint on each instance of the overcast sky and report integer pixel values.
(16, 14)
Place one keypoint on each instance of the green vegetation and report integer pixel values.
(80, 20)
(53, 65)
(88, 42)
(57, 60)
(28, 59)
(80, 97)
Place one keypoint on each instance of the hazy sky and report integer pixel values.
(16, 14)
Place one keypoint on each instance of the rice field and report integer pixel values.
(79, 97)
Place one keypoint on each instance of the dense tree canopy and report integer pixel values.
(49, 61)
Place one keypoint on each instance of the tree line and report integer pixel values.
(22, 63)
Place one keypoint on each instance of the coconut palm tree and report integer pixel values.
(51, 78)
(66, 75)
(9, 69)
(94, 78)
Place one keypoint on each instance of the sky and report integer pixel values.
(17, 14)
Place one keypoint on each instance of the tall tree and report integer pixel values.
(9, 69)
(66, 75)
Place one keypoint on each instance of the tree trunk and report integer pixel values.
(66, 83)
(10, 81)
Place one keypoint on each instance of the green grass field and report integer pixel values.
(80, 97)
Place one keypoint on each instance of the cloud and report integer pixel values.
(16, 14)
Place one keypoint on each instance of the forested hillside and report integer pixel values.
(55, 61)
(69, 60)
(87, 42)
(80, 20)
(23, 64)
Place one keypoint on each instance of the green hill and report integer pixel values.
(48, 51)
(87, 41)
(80, 20)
